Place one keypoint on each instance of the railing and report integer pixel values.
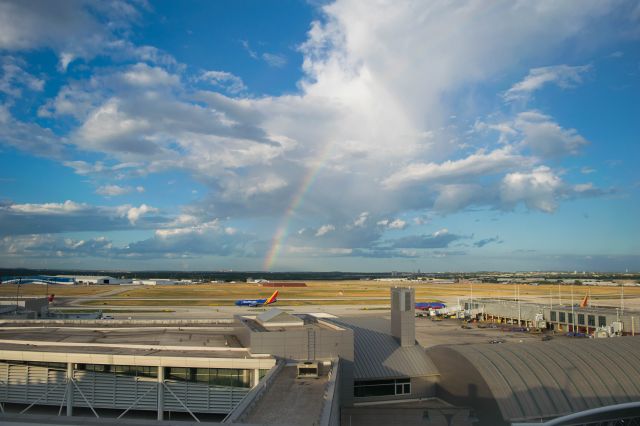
(330, 413)
(113, 322)
(254, 395)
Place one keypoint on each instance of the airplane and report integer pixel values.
(258, 302)
(427, 306)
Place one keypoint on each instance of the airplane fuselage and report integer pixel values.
(427, 306)
(252, 303)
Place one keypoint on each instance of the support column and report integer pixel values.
(70, 390)
(160, 393)
(255, 377)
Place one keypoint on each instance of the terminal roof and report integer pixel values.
(542, 380)
(377, 355)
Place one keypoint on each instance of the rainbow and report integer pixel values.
(281, 233)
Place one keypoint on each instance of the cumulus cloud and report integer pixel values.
(29, 137)
(113, 190)
(545, 137)
(74, 29)
(229, 82)
(135, 213)
(70, 216)
(143, 75)
(564, 76)
(538, 189)
(361, 220)
(537, 132)
(370, 121)
(439, 239)
(325, 229)
(392, 224)
(14, 78)
(477, 164)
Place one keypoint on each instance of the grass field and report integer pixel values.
(327, 292)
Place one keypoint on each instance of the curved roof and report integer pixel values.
(549, 379)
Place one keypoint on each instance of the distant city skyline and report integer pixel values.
(320, 136)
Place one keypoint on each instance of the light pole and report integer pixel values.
(18, 294)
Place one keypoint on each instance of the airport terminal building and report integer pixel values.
(274, 367)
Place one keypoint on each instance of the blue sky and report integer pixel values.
(343, 135)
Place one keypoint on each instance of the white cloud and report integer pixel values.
(538, 189)
(73, 29)
(229, 82)
(143, 75)
(275, 60)
(361, 220)
(325, 229)
(455, 197)
(478, 164)
(14, 78)
(49, 208)
(545, 137)
(135, 213)
(397, 224)
(370, 122)
(113, 190)
(564, 76)
(109, 122)
(70, 216)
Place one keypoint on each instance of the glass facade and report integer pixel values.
(211, 376)
(124, 370)
(363, 389)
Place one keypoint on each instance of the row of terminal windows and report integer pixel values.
(363, 389)
(591, 319)
(126, 370)
(211, 376)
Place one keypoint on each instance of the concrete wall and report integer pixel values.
(304, 343)
(403, 326)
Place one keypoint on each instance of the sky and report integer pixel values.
(320, 136)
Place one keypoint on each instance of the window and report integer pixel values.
(122, 370)
(570, 318)
(581, 319)
(592, 320)
(368, 388)
(563, 317)
(554, 316)
(602, 321)
(407, 302)
(211, 376)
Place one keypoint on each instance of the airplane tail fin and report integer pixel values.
(272, 298)
(585, 301)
